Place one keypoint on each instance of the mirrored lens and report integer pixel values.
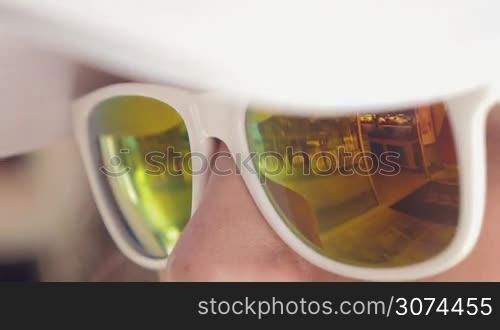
(144, 147)
(371, 189)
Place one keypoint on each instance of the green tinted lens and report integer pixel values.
(143, 146)
(372, 189)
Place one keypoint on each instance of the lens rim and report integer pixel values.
(87, 136)
(158, 118)
(471, 161)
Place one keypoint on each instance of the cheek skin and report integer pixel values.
(228, 239)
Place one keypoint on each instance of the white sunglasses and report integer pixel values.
(389, 192)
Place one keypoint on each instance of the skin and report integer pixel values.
(228, 239)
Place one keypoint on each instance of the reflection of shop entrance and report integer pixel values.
(422, 140)
(422, 137)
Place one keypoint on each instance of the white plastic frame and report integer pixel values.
(209, 116)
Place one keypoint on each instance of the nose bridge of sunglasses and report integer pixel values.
(217, 118)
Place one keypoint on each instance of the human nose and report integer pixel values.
(228, 239)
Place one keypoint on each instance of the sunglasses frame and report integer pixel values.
(210, 115)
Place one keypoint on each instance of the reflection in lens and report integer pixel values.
(372, 189)
(143, 143)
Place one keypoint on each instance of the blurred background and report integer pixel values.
(50, 229)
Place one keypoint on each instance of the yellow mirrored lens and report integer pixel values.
(371, 189)
(143, 145)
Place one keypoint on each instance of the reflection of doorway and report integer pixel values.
(437, 140)
(396, 133)
(417, 208)
(419, 137)
(428, 177)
